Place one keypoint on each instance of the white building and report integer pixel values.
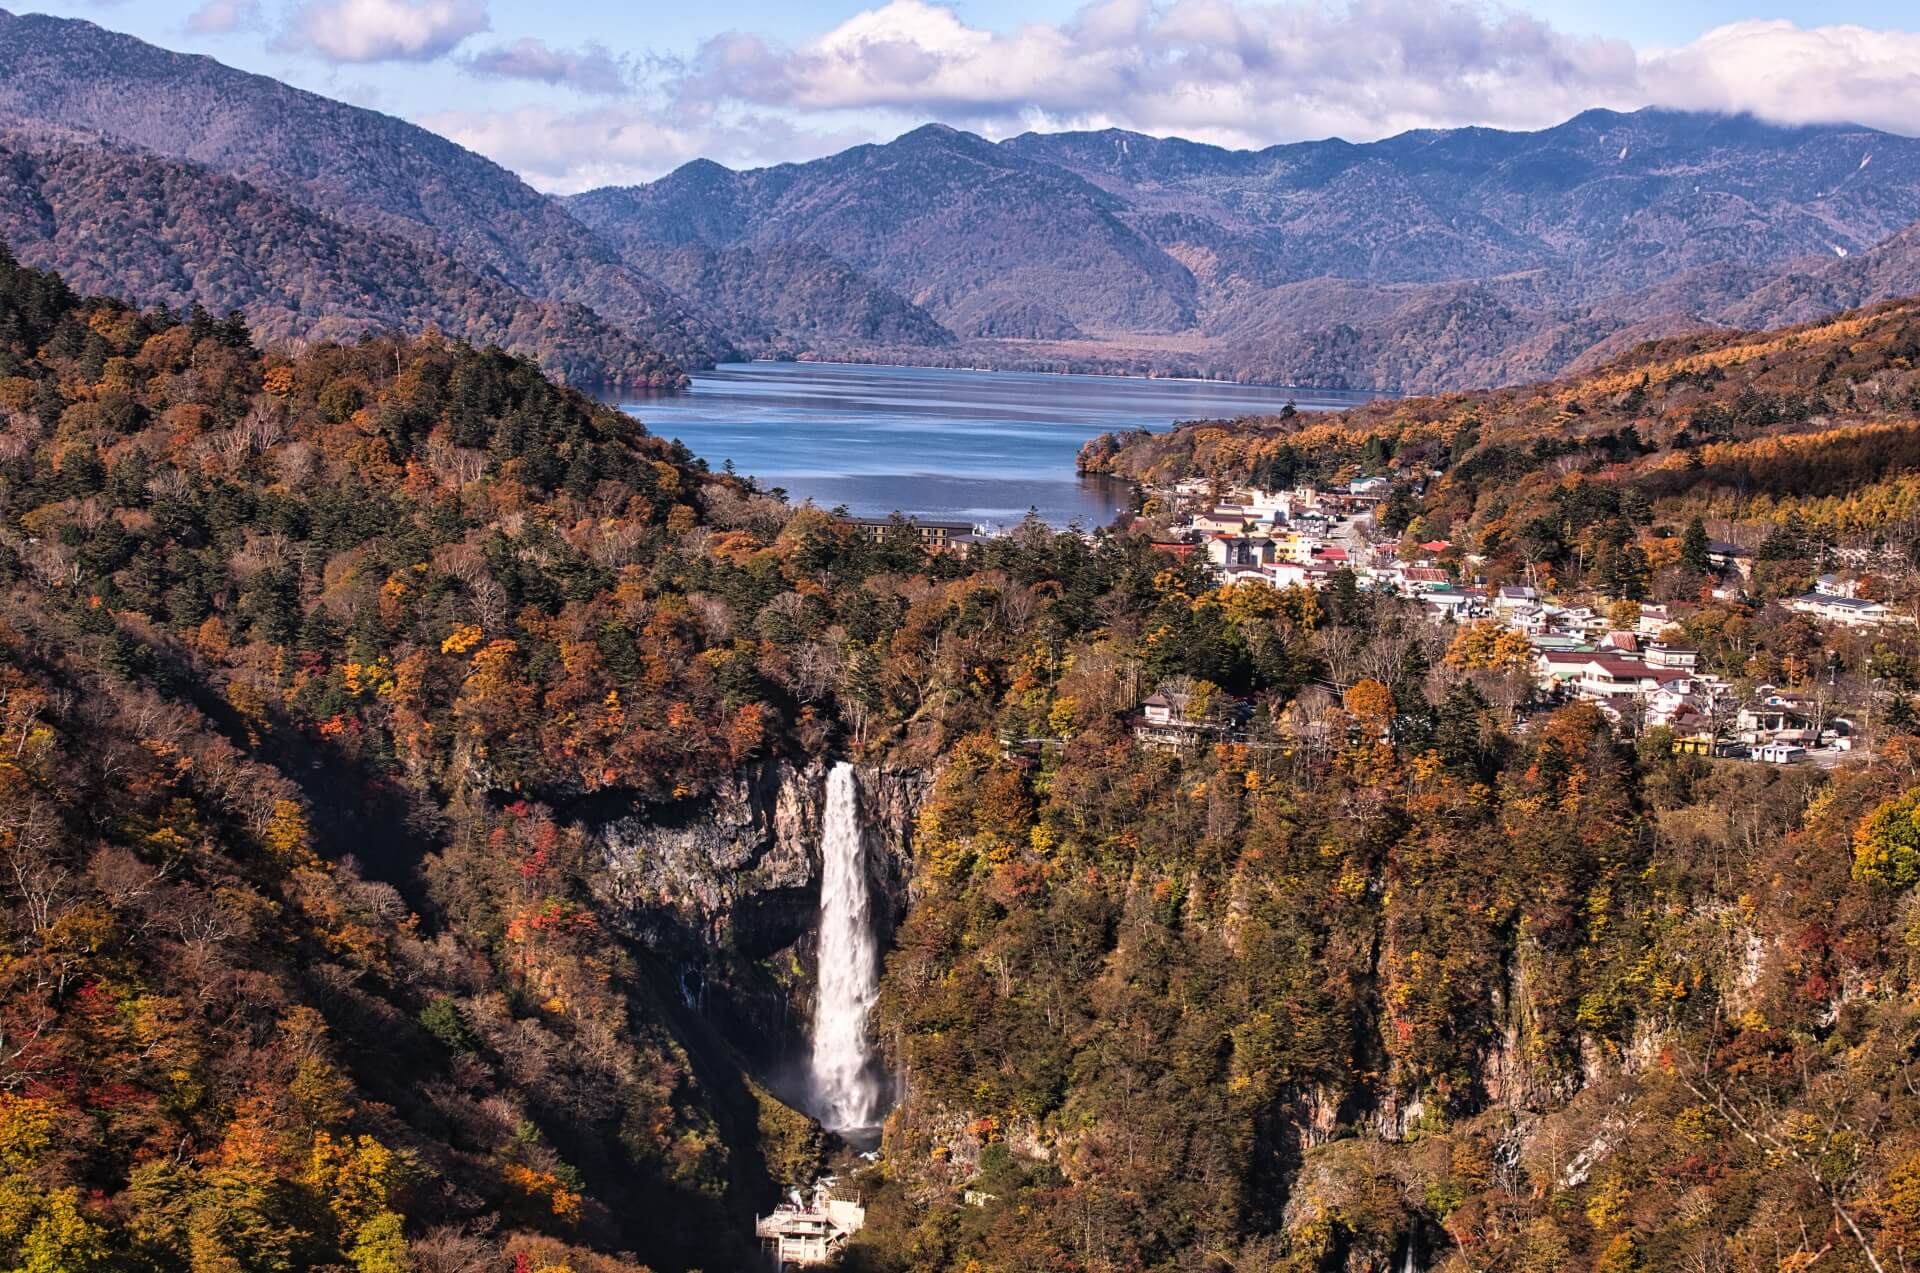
(1681, 658)
(1239, 550)
(1290, 574)
(1605, 678)
(1654, 620)
(1450, 603)
(813, 1232)
(1849, 612)
(1515, 599)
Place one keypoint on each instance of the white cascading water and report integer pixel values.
(845, 1092)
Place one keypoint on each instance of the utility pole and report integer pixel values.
(1873, 699)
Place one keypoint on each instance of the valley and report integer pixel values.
(663, 728)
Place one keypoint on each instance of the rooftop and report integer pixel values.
(1621, 667)
(1844, 603)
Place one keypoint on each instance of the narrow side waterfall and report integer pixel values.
(846, 1093)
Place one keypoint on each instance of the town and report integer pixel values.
(1633, 659)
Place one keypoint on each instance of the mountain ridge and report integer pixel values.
(1585, 229)
(358, 166)
(164, 231)
(945, 207)
(1434, 259)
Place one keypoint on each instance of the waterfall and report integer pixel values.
(845, 1092)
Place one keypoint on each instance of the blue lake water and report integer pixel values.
(980, 446)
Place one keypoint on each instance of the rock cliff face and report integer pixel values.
(728, 889)
(890, 800)
(737, 871)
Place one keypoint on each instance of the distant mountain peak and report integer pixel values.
(1447, 257)
(1436, 258)
(933, 128)
(702, 174)
(939, 137)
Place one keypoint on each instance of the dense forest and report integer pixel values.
(166, 232)
(320, 673)
(316, 669)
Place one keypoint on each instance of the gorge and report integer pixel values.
(1383, 972)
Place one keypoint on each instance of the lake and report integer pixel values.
(978, 446)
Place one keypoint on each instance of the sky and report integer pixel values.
(574, 94)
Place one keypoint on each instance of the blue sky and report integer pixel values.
(575, 93)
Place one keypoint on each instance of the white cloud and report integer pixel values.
(1233, 72)
(592, 69)
(565, 152)
(222, 17)
(1833, 74)
(383, 30)
(1255, 73)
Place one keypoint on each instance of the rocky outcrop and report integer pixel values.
(740, 870)
(737, 871)
(890, 801)
(727, 889)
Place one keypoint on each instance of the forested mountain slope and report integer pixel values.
(406, 851)
(957, 225)
(1393, 979)
(224, 1044)
(792, 299)
(1743, 425)
(1888, 270)
(1611, 201)
(361, 167)
(359, 704)
(1433, 260)
(113, 219)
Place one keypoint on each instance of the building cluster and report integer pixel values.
(1306, 535)
(1643, 672)
(1837, 599)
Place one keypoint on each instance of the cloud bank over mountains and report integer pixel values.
(1245, 73)
(1251, 73)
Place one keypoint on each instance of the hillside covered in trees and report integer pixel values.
(323, 677)
(160, 231)
(355, 167)
(1815, 427)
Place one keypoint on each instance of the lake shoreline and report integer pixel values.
(949, 444)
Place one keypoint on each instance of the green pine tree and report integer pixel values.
(1693, 548)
